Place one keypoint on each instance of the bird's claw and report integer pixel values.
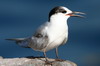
(59, 60)
(48, 62)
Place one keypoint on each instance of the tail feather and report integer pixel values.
(17, 39)
(20, 41)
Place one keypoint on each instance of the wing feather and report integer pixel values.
(40, 39)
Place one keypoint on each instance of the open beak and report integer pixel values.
(76, 14)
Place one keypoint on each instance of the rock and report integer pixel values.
(1, 57)
(33, 62)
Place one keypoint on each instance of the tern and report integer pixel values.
(52, 33)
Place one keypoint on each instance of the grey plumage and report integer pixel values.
(50, 35)
(23, 42)
(42, 30)
(38, 41)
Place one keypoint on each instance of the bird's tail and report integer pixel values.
(23, 42)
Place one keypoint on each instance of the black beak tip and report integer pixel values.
(79, 14)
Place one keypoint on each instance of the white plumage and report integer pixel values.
(51, 34)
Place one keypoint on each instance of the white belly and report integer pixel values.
(57, 31)
(55, 43)
(56, 37)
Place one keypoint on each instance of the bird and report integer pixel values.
(52, 34)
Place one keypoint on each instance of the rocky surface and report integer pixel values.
(33, 61)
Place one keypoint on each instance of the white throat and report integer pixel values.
(58, 26)
(59, 19)
(57, 30)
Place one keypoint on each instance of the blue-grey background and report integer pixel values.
(20, 18)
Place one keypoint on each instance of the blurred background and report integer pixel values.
(20, 18)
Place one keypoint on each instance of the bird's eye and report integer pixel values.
(63, 11)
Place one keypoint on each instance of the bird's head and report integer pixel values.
(61, 12)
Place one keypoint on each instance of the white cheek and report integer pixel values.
(68, 11)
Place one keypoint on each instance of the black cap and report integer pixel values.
(55, 10)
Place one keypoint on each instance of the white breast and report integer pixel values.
(57, 32)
